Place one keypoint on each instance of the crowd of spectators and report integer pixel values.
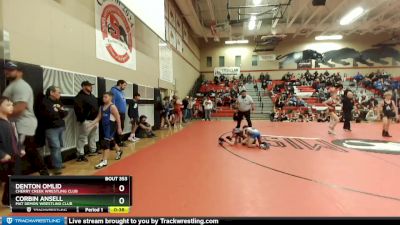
(289, 107)
(380, 81)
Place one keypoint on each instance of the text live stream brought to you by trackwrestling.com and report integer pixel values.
(22, 220)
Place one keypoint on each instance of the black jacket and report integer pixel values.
(347, 105)
(8, 139)
(86, 107)
(53, 114)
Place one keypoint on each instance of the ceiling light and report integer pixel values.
(242, 41)
(352, 16)
(256, 2)
(252, 23)
(231, 42)
(329, 37)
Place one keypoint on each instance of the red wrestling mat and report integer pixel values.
(302, 174)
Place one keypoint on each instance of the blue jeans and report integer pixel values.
(54, 137)
(207, 114)
(188, 114)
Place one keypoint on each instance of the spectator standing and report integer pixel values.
(86, 108)
(190, 108)
(10, 151)
(185, 103)
(21, 94)
(208, 106)
(119, 101)
(166, 105)
(133, 112)
(54, 112)
(347, 106)
(244, 104)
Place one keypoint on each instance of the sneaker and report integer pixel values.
(57, 172)
(44, 173)
(119, 155)
(82, 158)
(136, 139)
(131, 139)
(331, 132)
(101, 165)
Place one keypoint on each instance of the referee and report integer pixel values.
(245, 105)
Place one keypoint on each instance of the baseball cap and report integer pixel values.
(11, 66)
(86, 83)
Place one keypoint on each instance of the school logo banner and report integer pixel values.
(227, 71)
(115, 33)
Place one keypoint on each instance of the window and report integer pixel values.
(209, 61)
(254, 60)
(221, 61)
(238, 60)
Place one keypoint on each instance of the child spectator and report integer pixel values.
(144, 130)
(10, 150)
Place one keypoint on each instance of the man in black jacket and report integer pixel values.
(348, 104)
(54, 112)
(86, 108)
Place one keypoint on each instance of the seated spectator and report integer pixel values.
(301, 102)
(249, 78)
(264, 84)
(262, 77)
(293, 101)
(267, 77)
(279, 104)
(144, 130)
(323, 117)
(356, 115)
(222, 78)
(372, 115)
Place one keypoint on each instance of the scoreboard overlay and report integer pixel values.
(96, 194)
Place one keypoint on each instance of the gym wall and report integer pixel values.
(61, 34)
(289, 45)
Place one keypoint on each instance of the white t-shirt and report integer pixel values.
(208, 106)
(245, 103)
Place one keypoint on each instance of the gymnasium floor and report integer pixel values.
(186, 173)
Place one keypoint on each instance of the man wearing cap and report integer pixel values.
(21, 93)
(245, 105)
(86, 109)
